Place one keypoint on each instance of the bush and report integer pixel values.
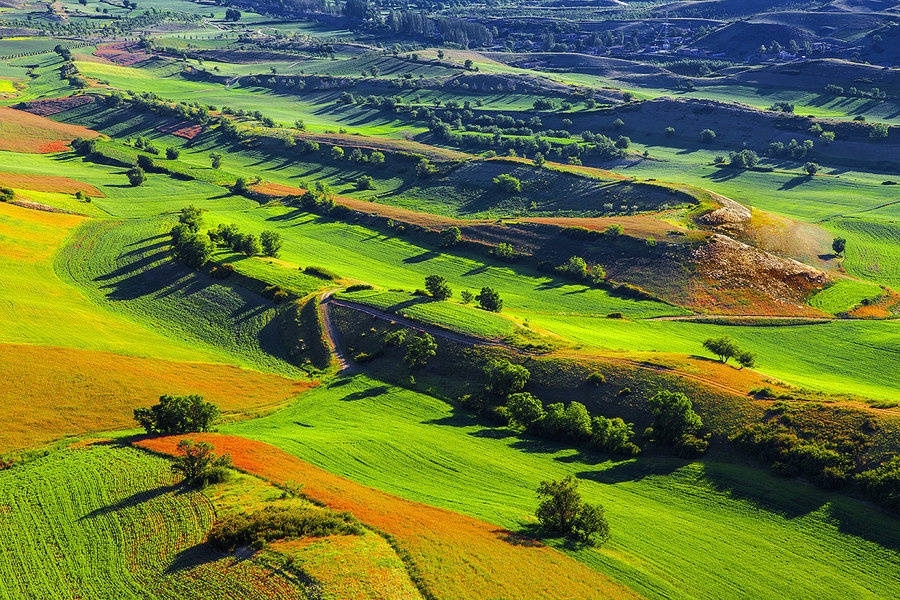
(507, 183)
(723, 347)
(707, 136)
(193, 249)
(438, 287)
(364, 182)
(524, 409)
(248, 244)
(199, 465)
(358, 287)
(6, 194)
(320, 272)
(280, 522)
(878, 131)
(596, 378)
(136, 176)
(673, 417)
(419, 348)
(562, 511)
(505, 378)
(466, 296)
(172, 153)
(669, 132)
(177, 414)
(613, 436)
(811, 168)
(271, 242)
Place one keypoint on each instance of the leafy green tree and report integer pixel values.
(232, 14)
(466, 296)
(192, 249)
(505, 378)
(489, 300)
(364, 182)
(505, 251)
(438, 287)
(419, 348)
(450, 237)
(723, 347)
(191, 217)
(215, 159)
(524, 409)
(172, 153)
(707, 136)
(746, 359)
(337, 153)
(376, 158)
(575, 267)
(539, 160)
(248, 243)
(198, 464)
(136, 176)
(6, 194)
(507, 183)
(562, 511)
(811, 168)
(271, 242)
(673, 417)
(177, 414)
(839, 245)
(613, 435)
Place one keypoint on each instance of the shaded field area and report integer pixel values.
(457, 557)
(24, 132)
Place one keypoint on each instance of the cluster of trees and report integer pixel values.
(268, 242)
(417, 349)
(577, 268)
(439, 289)
(561, 511)
(726, 348)
(190, 246)
(853, 91)
(792, 149)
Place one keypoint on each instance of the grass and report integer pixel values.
(844, 295)
(678, 528)
(450, 555)
(72, 392)
(102, 521)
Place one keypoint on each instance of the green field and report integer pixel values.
(107, 522)
(788, 538)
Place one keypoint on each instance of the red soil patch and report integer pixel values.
(47, 183)
(886, 305)
(51, 392)
(182, 129)
(458, 557)
(122, 53)
(22, 131)
(52, 106)
(276, 190)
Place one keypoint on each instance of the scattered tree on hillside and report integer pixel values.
(811, 168)
(199, 465)
(6, 194)
(438, 287)
(707, 136)
(177, 414)
(136, 176)
(505, 378)
(507, 183)
(489, 300)
(419, 348)
(746, 358)
(248, 244)
(723, 347)
(839, 245)
(524, 409)
(450, 237)
(675, 423)
(215, 159)
(191, 248)
(562, 511)
(466, 296)
(172, 153)
(539, 160)
(232, 14)
(191, 217)
(364, 182)
(337, 153)
(271, 242)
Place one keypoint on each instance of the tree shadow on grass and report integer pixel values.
(131, 501)
(423, 257)
(198, 555)
(794, 182)
(371, 392)
(527, 536)
(633, 470)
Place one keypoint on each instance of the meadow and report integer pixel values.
(787, 537)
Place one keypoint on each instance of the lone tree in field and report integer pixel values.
(450, 237)
(136, 176)
(215, 159)
(198, 464)
(177, 414)
(746, 359)
(419, 348)
(562, 511)
(811, 168)
(438, 287)
(839, 245)
(271, 242)
(232, 14)
(723, 347)
(489, 300)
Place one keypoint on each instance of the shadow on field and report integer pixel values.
(371, 392)
(794, 182)
(633, 470)
(131, 501)
(195, 556)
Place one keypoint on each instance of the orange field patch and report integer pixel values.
(52, 106)
(458, 557)
(49, 392)
(22, 131)
(182, 129)
(276, 190)
(122, 53)
(640, 226)
(47, 183)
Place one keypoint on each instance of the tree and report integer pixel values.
(271, 242)
(524, 409)
(191, 217)
(192, 249)
(419, 348)
(707, 136)
(673, 417)
(613, 435)
(539, 160)
(669, 132)
(248, 243)
(746, 359)
(723, 347)
(468, 64)
(215, 159)
(450, 237)
(811, 168)
(364, 182)
(466, 296)
(622, 142)
(575, 267)
(177, 414)
(505, 378)
(198, 464)
(440, 54)
(489, 300)
(438, 287)
(136, 176)
(172, 153)
(6, 194)
(561, 510)
(376, 158)
(337, 153)
(232, 14)
(839, 245)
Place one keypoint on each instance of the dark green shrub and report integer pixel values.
(280, 522)
(177, 414)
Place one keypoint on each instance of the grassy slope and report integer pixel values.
(103, 522)
(789, 539)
